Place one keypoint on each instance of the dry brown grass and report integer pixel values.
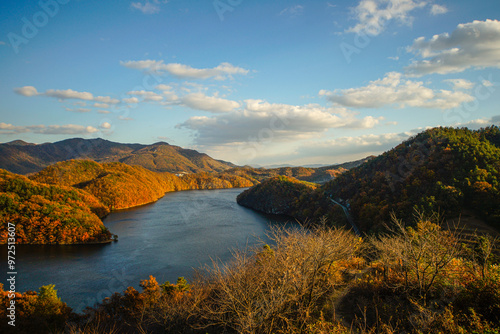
(278, 288)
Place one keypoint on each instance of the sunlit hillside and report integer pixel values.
(49, 214)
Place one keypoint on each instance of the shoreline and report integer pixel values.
(120, 210)
(173, 191)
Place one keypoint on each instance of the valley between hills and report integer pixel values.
(63, 203)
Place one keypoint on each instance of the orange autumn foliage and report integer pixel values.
(48, 214)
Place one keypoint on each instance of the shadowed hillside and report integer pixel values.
(281, 193)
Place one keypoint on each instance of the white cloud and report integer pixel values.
(68, 129)
(26, 91)
(221, 72)
(101, 105)
(364, 145)
(438, 10)
(147, 95)
(104, 111)
(150, 65)
(148, 7)
(164, 87)
(11, 129)
(293, 11)
(65, 94)
(475, 44)
(279, 121)
(82, 110)
(394, 90)
(106, 99)
(487, 83)
(105, 125)
(190, 87)
(374, 15)
(366, 122)
(171, 96)
(329, 151)
(209, 103)
(153, 98)
(131, 100)
(68, 94)
(480, 123)
(460, 83)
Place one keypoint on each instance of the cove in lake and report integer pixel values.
(169, 238)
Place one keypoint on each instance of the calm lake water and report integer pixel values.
(166, 239)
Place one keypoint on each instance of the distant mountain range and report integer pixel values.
(24, 158)
(317, 175)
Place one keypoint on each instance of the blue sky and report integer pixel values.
(251, 82)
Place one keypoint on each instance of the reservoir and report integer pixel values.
(169, 238)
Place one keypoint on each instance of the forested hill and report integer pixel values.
(23, 158)
(116, 185)
(120, 186)
(439, 170)
(49, 214)
(281, 193)
(63, 203)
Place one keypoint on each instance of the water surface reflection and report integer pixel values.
(166, 239)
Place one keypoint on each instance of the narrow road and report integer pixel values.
(348, 215)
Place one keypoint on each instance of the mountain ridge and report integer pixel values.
(24, 158)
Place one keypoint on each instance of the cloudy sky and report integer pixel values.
(248, 81)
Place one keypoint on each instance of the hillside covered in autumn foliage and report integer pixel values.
(116, 185)
(439, 170)
(120, 186)
(48, 214)
(64, 202)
